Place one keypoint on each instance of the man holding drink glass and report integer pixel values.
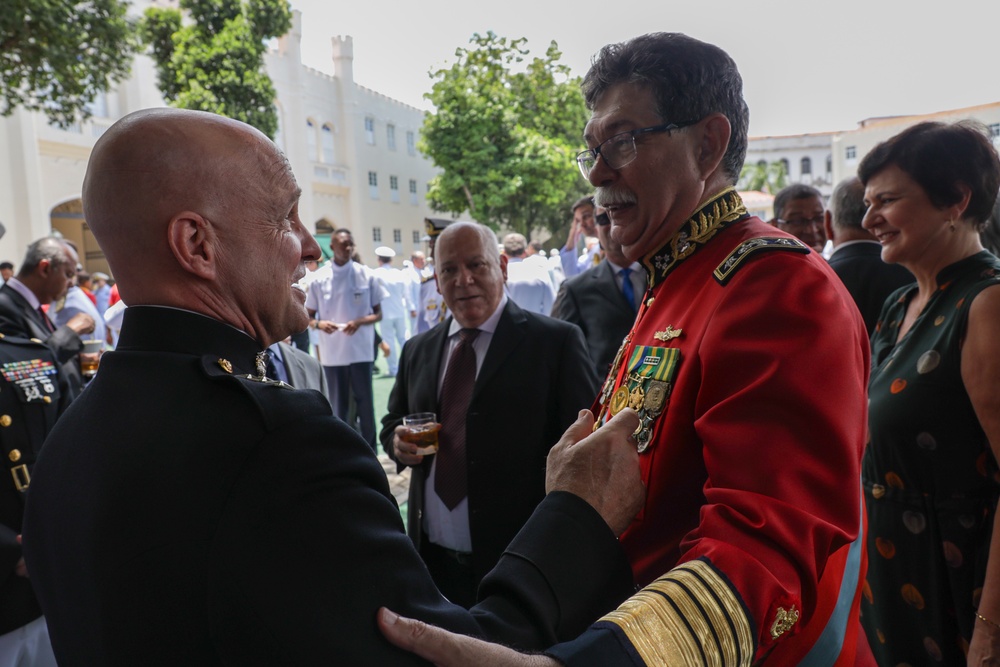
(501, 385)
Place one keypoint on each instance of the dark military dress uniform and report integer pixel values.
(187, 512)
(31, 398)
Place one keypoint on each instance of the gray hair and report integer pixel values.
(847, 204)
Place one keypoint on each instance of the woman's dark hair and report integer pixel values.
(941, 158)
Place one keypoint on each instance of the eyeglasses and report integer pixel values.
(620, 150)
(602, 219)
(802, 222)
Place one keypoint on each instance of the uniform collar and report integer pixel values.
(716, 214)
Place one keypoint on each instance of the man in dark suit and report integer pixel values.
(32, 395)
(529, 378)
(297, 368)
(603, 301)
(857, 256)
(46, 274)
(214, 524)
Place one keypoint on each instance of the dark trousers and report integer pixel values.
(452, 573)
(353, 380)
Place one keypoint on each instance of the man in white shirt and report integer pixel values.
(344, 305)
(527, 284)
(395, 307)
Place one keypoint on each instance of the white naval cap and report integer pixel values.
(385, 251)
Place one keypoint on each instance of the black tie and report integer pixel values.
(450, 482)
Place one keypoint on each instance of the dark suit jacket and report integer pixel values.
(535, 379)
(868, 278)
(182, 514)
(593, 302)
(304, 370)
(18, 318)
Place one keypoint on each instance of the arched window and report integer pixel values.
(829, 164)
(326, 140)
(806, 166)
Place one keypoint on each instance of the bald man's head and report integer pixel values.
(152, 165)
(191, 209)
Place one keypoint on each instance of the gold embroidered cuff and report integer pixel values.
(690, 616)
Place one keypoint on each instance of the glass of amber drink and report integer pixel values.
(421, 429)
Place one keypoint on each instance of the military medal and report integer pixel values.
(225, 365)
(635, 397)
(656, 397)
(619, 401)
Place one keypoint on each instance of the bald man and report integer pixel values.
(189, 510)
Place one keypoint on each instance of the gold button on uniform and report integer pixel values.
(15, 455)
(5, 420)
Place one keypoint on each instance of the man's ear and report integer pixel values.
(828, 224)
(192, 242)
(503, 266)
(715, 134)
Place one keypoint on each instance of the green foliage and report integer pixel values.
(55, 57)
(215, 61)
(764, 177)
(505, 139)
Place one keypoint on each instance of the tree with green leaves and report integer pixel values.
(504, 133)
(55, 57)
(764, 177)
(215, 61)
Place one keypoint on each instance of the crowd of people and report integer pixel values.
(701, 439)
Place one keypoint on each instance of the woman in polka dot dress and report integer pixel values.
(932, 594)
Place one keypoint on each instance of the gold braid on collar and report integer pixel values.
(717, 213)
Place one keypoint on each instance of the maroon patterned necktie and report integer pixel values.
(450, 482)
(46, 321)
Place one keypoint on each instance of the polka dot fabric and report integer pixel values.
(931, 481)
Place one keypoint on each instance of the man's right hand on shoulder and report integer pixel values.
(601, 466)
(81, 323)
(405, 452)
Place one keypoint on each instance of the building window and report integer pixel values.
(394, 188)
(995, 130)
(784, 165)
(373, 185)
(806, 166)
(377, 234)
(413, 191)
(370, 130)
(326, 141)
(311, 139)
(397, 236)
(851, 153)
(411, 143)
(416, 237)
(390, 137)
(829, 164)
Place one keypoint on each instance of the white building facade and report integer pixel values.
(807, 158)
(353, 151)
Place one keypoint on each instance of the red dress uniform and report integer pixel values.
(748, 365)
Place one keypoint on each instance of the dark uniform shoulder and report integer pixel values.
(738, 256)
(277, 402)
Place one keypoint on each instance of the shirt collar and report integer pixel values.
(24, 291)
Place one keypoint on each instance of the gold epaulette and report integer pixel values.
(737, 258)
(689, 616)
